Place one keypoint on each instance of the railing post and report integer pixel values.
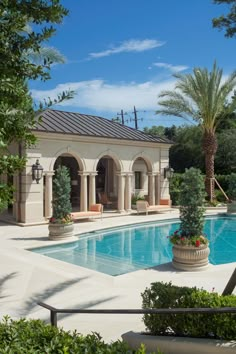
(228, 290)
(53, 318)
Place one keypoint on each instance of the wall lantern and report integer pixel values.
(37, 171)
(168, 172)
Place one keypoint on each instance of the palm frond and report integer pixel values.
(48, 54)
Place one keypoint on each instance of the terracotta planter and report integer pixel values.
(190, 258)
(231, 207)
(60, 231)
(178, 345)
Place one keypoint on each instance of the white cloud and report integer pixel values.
(100, 96)
(172, 68)
(132, 45)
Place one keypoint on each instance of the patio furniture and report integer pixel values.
(144, 207)
(94, 210)
(104, 200)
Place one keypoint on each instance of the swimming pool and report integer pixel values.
(123, 250)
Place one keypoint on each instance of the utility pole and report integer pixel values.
(122, 116)
(135, 118)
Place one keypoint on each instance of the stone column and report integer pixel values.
(121, 193)
(92, 188)
(151, 188)
(83, 191)
(128, 191)
(158, 188)
(48, 194)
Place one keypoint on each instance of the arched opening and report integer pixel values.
(143, 183)
(140, 179)
(72, 164)
(106, 182)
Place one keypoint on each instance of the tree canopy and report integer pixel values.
(17, 46)
(228, 21)
(204, 97)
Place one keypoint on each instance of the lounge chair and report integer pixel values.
(94, 210)
(144, 207)
(103, 199)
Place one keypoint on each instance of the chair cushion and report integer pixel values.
(164, 202)
(95, 207)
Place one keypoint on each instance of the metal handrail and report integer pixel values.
(207, 310)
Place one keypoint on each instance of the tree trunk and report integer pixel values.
(210, 147)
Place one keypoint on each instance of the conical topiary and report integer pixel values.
(61, 196)
(192, 195)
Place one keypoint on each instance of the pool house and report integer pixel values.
(108, 163)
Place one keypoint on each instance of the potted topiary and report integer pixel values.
(231, 206)
(190, 246)
(135, 198)
(61, 223)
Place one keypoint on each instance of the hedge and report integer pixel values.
(35, 337)
(166, 295)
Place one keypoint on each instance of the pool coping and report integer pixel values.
(38, 278)
(120, 227)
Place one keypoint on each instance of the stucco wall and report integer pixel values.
(88, 151)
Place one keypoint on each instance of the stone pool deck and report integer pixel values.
(26, 278)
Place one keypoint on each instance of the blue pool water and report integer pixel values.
(124, 250)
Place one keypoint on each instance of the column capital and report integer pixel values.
(120, 174)
(93, 173)
(130, 174)
(49, 173)
(151, 174)
(83, 173)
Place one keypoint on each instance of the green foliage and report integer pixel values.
(34, 336)
(136, 197)
(227, 22)
(166, 295)
(61, 196)
(225, 160)
(15, 40)
(202, 96)
(17, 48)
(232, 186)
(187, 151)
(164, 132)
(174, 185)
(192, 193)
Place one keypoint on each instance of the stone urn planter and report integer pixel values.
(190, 258)
(178, 345)
(60, 231)
(231, 207)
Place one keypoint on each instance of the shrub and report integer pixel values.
(166, 295)
(34, 336)
(223, 181)
(175, 183)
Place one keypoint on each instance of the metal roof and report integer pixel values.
(54, 121)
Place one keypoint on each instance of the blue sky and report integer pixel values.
(121, 54)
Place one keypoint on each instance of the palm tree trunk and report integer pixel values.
(210, 147)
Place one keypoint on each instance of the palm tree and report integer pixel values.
(204, 97)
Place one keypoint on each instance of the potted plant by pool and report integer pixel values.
(61, 224)
(231, 206)
(135, 198)
(190, 247)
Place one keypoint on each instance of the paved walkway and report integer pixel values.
(26, 278)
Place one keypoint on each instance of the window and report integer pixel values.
(138, 179)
